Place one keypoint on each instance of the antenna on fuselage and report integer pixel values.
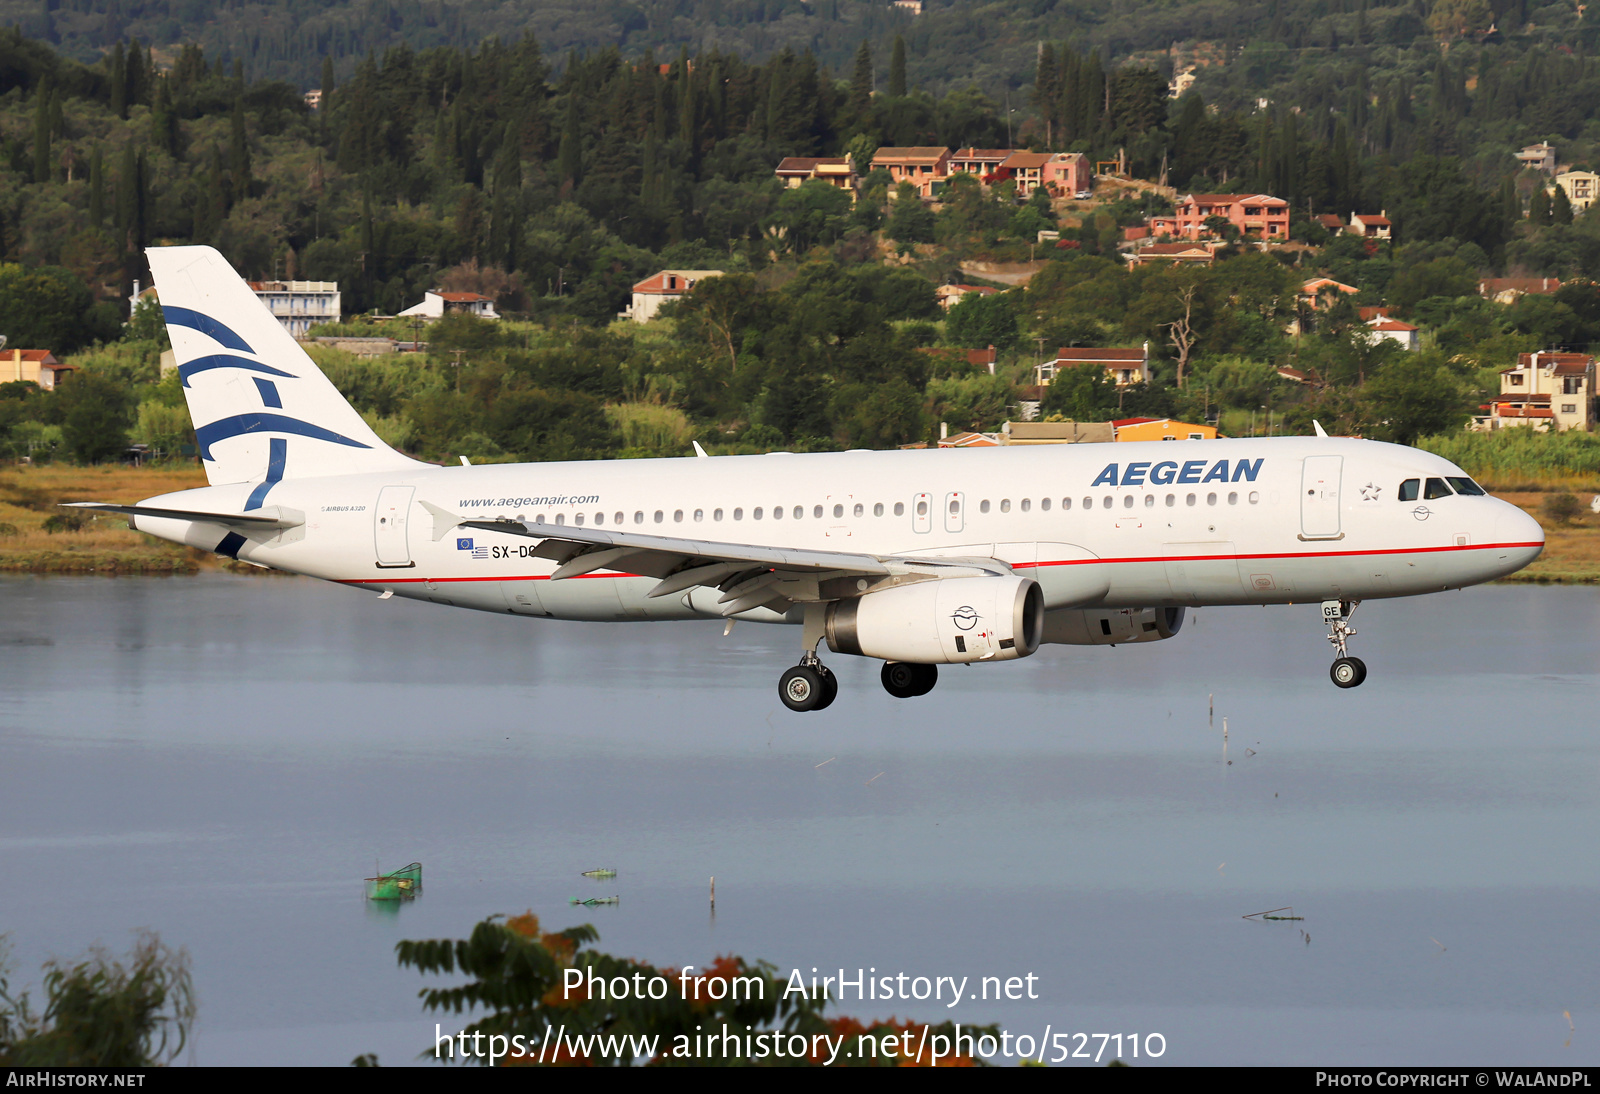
(1318, 426)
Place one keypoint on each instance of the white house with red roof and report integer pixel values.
(435, 305)
(662, 288)
(1369, 226)
(1395, 331)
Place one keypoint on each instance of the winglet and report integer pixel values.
(1320, 431)
(443, 520)
(698, 451)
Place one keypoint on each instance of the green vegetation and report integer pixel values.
(102, 1012)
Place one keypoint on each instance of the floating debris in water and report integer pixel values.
(403, 884)
(599, 873)
(596, 900)
(1272, 913)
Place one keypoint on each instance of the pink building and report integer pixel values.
(1069, 173)
(1257, 215)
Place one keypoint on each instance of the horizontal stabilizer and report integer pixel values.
(271, 517)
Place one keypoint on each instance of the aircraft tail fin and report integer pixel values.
(262, 409)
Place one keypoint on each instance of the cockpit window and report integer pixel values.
(1466, 486)
(1408, 489)
(1436, 488)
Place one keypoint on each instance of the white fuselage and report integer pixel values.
(1183, 523)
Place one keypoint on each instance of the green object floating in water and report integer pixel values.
(403, 884)
(597, 900)
(599, 874)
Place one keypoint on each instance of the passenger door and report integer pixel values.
(389, 527)
(1319, 497)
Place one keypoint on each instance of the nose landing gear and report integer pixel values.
(1346, 671)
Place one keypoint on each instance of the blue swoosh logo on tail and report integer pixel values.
(228, 360)
(240, 424)
(218, 332)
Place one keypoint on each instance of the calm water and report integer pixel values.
(223, 759)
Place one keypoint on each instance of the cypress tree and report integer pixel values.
(134, 76)
(897, 69)
(97, 190)
(861, 81)
(1047, 89)
(41, 133)
(239, 152)
(119, 82)
(127, 197)
(1539, 206)
(1560, 207)
(569, 158)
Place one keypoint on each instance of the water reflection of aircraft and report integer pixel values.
(914, 558)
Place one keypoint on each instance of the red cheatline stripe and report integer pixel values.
(1300, 554)
(1015, 565)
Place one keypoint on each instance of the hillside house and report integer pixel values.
(921, 167)
(951, 295)
(38, 366)
(1314, 292)
(1068, 432)
(1259, 216)
(436, 305)
(662, 288)
(1069, 173)
(1162, 429)
(299, 305)
(1580, 187)
(1188, 254)
(840, 172)
(1371, 227)
(1505, 290)
(1540, 157)
(1545, 391)
(1404, 334)
(1124, 366)
(982, 162)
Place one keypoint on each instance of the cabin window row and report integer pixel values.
(798, 512)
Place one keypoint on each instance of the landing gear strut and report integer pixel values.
(904, 680)
(1347, 671)
(810, 685)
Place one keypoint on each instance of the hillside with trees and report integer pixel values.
(552, 182)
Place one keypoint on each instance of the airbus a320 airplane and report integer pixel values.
(918, 559)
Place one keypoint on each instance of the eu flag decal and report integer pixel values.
(463, 544)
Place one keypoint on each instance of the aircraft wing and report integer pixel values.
(749, 575)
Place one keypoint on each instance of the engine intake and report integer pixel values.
(955, 621)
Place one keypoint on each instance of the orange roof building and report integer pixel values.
(36, 366)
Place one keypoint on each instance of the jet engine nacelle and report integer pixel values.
(1111, 627)
(953, 621)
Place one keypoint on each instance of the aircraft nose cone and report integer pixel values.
(1520, 538)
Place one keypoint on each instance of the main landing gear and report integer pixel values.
(1347, 671)
(810, 685)
(904, 680)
